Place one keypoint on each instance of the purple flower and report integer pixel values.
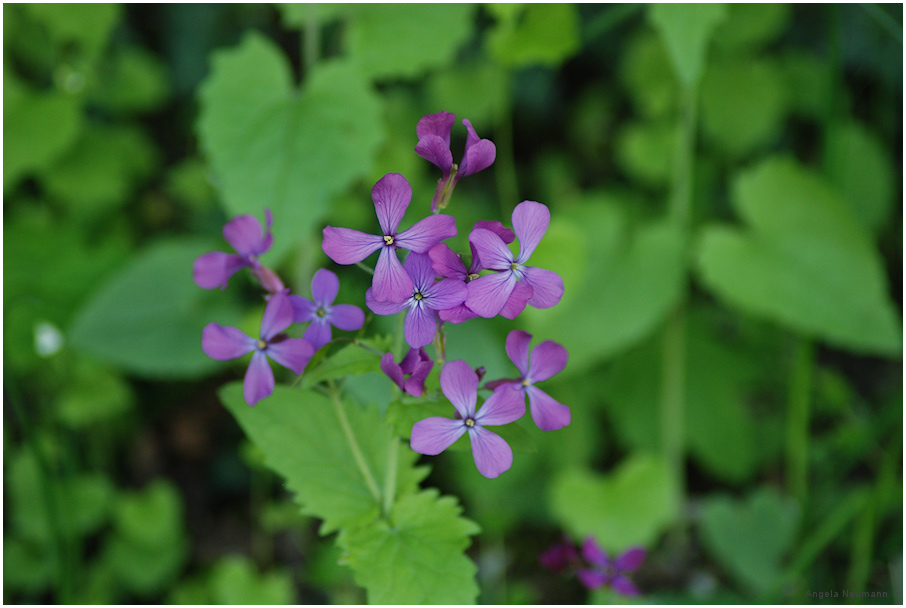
(489, 294)
(423, 301)
(244, 233)
(559, 557)
(604, 572)
(321, 311)
(433, 132)
(224, 343)
(459, 383)
(416, 364)
(548, 359)
(391, 195)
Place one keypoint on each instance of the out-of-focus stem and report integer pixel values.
(505, 163)
(311, 40)
(797, 422)
(390, 482)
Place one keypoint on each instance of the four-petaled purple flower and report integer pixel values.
(426, 297)
(322, 313)
(605, 572)
(489, 294)
(224, 343)
(459, 383)
(416, 364)
(548, 359)
(433, 132)
(392, 195)
(560, 556)
(244, 233)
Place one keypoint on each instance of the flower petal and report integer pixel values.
(225, 343)
(505, 234)
(517, 349)
(594, 554)
(292, 353)
(304, 310)
(245, 235)
(505, 405)
(215, 269)
(530, 221)
(415, 385)
(548, 359)
(432, 436)
(318, 332)
(434, 149)
(446, 262)
(547, 284)
(517, 301)
(439, 124)
(391, 195)
(383, 308)
(631, 559)
(391, 282)
(494, 253)
(324, 287)
(420, 270)
(624, 586)
(259, 379)
(268, 278)
(427, 233)
(457, 314)
(479, 153)
(592, 579)
(446, 294)
(346, 317)
(420, 326)
(348, 246)
(492, 454)
(548, 413)
(278, 315)
(411, 359)
(558, 557)
(489, 294)
(459, 383)
(392, 370)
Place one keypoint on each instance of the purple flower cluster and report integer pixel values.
(594, 568)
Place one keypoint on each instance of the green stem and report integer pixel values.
(505, 169)
(398, 337)
(797, 422)
(390, 482)
(353, 444)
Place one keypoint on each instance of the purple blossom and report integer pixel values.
(459, 383)
(559, 557)
(392, 195)
(548, 359)
(321, 311)
(416, 365)
(244, 233)
(490, 293)
(423, 301)
(225, 343)
(433, 132)
(605, 572)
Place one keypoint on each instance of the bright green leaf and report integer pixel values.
(687, 29)
(545, 34)
(355, 359)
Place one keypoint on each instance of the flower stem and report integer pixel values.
(353, 444)
(797, 422)
(507, 182)
(390, 482)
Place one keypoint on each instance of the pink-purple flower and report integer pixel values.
(548, 359)
(490, 293)
(411, 372)
(246, 236)
(433, 132)
(321, 311)
(391, 195)
(225, 343)
(604, 571)
(425, 298)
(459, 383)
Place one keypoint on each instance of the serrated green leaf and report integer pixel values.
(355, 359)
(417, 556)
(545, 34)
(271, 146)
(302, 436)
(687, 30)
(148, 318)
(808, 263)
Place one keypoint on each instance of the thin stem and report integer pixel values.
(398, 336)
(365, 268)
(797, 422)
(505, 171)
(353, 444)
(390, 482)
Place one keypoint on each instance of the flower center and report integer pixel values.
(471, 277)
(321, 312)
(514, 265)
(526, 382)
(388, 240)
(470, 422)
(261, 345)
(418, 296)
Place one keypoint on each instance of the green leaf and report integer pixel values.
(630, 506)
(388, 40)
(301, 434)
(236, 580)
(807, 263)
(471, 90)
(752, 26)
(144, 570)
(148, 318)
(136, 81)
(545, 34)
(296, 15)
(26, 567)
(152, 517)
(417, 556)
(648, 76)
(271, 146)
(750, 537)
(645, 151)
(88, 25)
(687, 29)
(355, 359)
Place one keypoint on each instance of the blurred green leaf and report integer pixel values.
(630, 506)
(646, 73)
(271, 146)
(26, 567)
(151, 517)
(404, 40)
(470, 90)
(809, 83)
(417, 557)
(148, 318)
(751, 537)
(296, 15)
(808, 263)
(645, 151)
(687, 30)
(751, 26)
(88, 25)
(144, 570)
(136, 80)
(235, 580)
(545, 34)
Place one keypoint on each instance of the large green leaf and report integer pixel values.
(687, 29)
(271, 145)
(807, 263)
(545, 34)
(148, 318)
(415, 557)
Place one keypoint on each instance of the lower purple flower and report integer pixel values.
(605, 572)
(225, 343)
(416, 365)
(322, 313)
(459, 383)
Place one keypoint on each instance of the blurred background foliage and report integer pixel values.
(769, 309)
